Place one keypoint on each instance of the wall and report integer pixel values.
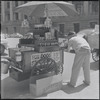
(83, 20)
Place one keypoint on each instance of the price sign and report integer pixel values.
(54, 55)
(35, 58)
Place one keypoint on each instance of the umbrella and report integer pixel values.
(85, 32)
(92, 37)
(47, 8)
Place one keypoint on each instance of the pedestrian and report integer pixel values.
(82, 58)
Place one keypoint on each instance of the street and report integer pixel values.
(20, 90)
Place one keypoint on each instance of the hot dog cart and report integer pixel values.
(43, 45)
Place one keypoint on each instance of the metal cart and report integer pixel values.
(44, 65)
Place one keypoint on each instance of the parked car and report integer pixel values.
(3, 43)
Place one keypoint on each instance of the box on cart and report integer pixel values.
(45, 83)
(19, 76)
(26, 41)
(46, 45)
(46, 49)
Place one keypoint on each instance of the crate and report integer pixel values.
(46, 45)
(46, 48)
(19, 76)
(40, 31)
(26, 41)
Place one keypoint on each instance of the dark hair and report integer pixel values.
(71, 33)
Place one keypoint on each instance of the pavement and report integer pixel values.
(11, 89)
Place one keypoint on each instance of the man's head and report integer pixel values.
(71, 34)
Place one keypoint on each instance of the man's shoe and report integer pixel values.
(69, 84)
(86, 83)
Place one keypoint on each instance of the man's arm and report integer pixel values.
(69, 46)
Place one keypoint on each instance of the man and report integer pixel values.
(82, 58)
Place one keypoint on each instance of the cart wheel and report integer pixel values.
(95, 55)
(44, 65)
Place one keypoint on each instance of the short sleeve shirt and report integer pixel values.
(77, 42)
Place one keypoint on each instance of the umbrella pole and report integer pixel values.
(46, 10)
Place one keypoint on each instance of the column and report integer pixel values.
(3, 10)
(86, 7)
(11, 10)
(20, 15)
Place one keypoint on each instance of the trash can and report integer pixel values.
(4, 67)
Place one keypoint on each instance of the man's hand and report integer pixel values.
(72, 51)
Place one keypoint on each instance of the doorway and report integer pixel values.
(61, 28)
(76, 27)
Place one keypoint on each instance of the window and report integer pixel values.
(92, 24)
(42, 19)
(25, 17)
(16, 3)
(8, 5)
(8, 17)
(6, 29)
(93, 7)
(79, 6)
(16, 16)
(76, 27)
(61, 28)
(15, 30)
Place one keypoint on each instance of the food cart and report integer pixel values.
(44, 45)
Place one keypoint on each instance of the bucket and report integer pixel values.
(4, 67)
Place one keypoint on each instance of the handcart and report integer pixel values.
(45, 55)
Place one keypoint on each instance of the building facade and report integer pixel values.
(87, 18)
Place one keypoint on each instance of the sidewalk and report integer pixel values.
(12, 89)
(20, 90)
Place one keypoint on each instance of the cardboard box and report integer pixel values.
(26, 41)
(46, 45)
(46, 84)
(46, 48)
(19, 76)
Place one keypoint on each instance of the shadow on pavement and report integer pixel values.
(11, 89)
(94, 66)
(69, 90)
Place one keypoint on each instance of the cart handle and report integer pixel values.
(12, 65)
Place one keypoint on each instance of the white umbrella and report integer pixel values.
(85, 32)
(47, 8)
(92, 37)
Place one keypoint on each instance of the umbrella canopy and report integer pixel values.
(92, 37)
(85, 32)
(47, 8)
